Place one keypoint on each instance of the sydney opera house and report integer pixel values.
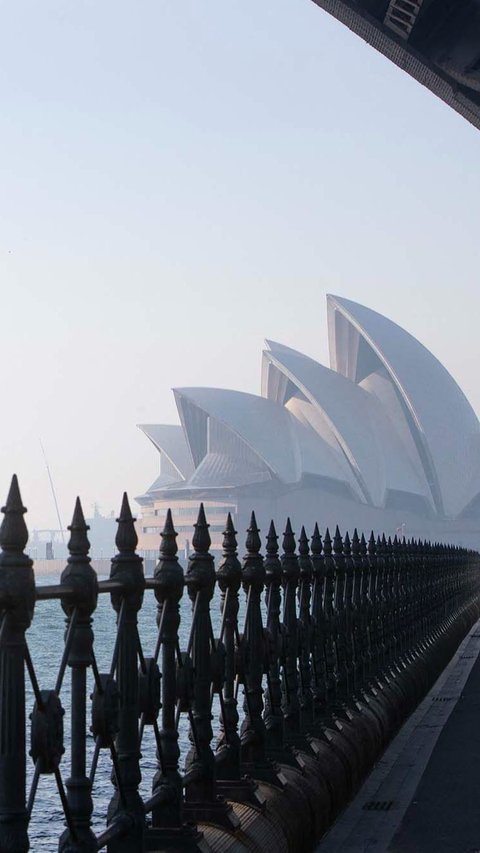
(384, 438)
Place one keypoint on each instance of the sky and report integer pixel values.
(179, 181)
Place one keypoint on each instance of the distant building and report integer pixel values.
(383, 439)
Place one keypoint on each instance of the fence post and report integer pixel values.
(200, 579)
(414, 600)
(318, 626)
(82, 577)
(340, 626)
(427, 593)
(349, 614)
(127, 567)
(330, 661)
(273, 702)
(415, 597)
(373, 608)
(380, 606)
(229, 578)
(305, 629)
(290, 575)
(169, 579)
(365, 614)
(230, 781)
(201, 798)
(406, 580)
(357, 634)
(397, 604)
(404, 602)
(17, 589)
(168, 828)
(389, 615)
(253, 733)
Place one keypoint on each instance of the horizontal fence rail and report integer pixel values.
(306, 662)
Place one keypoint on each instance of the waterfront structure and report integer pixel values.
(50, 544)
(384, 438)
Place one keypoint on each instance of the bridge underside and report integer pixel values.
(435, 41)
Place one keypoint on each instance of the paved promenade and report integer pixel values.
(424, 795)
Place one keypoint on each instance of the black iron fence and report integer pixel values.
(339, 641)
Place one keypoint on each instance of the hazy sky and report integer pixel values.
(179, 180)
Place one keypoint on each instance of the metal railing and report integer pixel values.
(339, 642)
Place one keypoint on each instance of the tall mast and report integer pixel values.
(53, 492)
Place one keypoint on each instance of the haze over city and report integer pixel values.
(180, 181)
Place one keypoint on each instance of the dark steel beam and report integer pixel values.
(439, 48)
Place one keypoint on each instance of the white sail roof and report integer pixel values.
(442, 423)
(286, 447)
(356, 421)
(170, 440)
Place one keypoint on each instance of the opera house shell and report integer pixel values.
(384, 439)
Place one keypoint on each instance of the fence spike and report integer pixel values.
(127, 567)
(177, 677)
(318, 621)
(126, 539)
(82, 576)
(305, 629)
(273, 697)
(290, 578)
(339, 624)
(78, 544)
(17, 588)
(13, 530)
(253, 732)
(329, 617)
(201, 796)
(229, 578)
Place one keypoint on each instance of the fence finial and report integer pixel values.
(201, 540)
(303, 548)
(13, 530)
(229, 537)
(272, 540)
(288, 539)
(168, 544)
(126, 539)
(252, 542)
(78, 544)
(316, 541)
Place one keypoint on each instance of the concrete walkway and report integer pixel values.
(424, 795)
